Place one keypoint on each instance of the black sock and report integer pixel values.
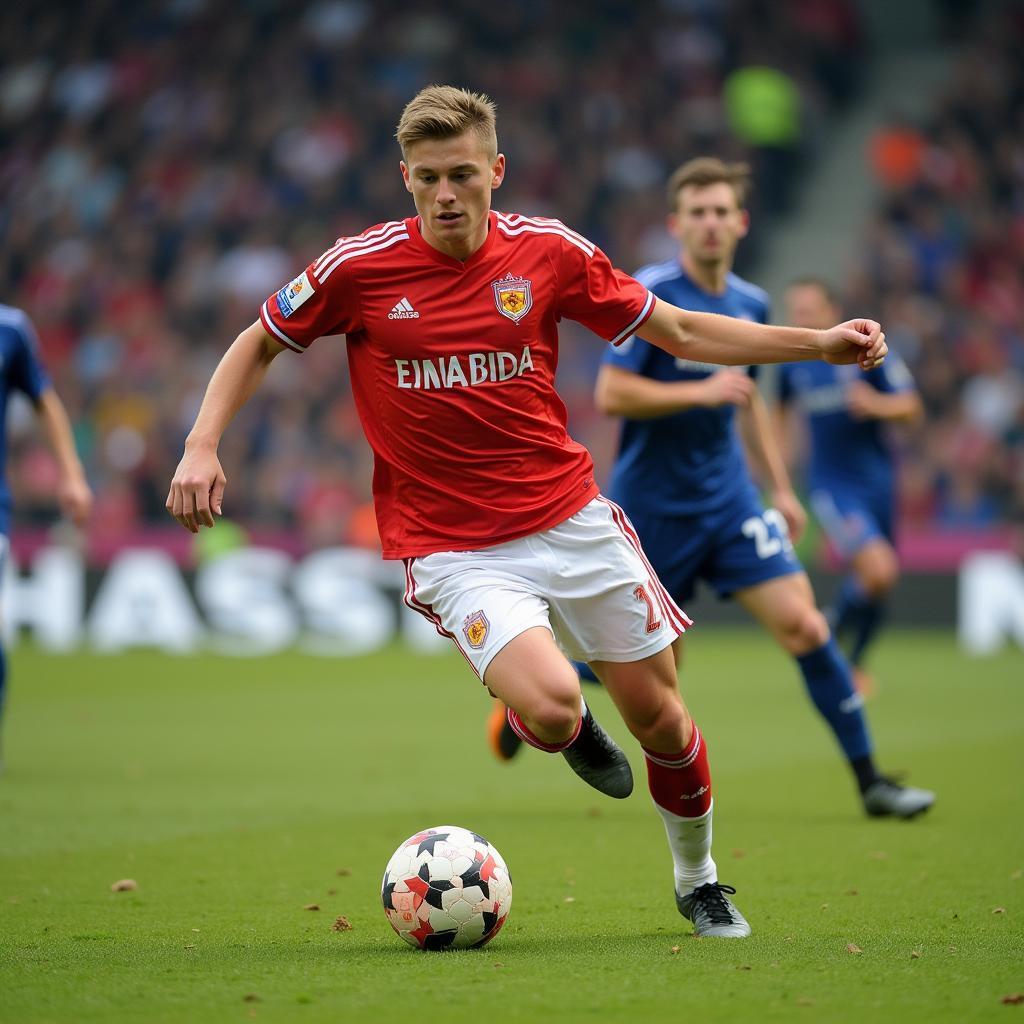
(865, 770)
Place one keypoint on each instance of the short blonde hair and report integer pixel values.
(442, 112)
(709, 170)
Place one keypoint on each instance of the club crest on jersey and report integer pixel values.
(293, 295)
(475, 627)
(513, 296)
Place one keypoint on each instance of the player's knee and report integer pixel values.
(554, 720)
(661, 725)
(881, 574)
(805, 630)
(554, 707)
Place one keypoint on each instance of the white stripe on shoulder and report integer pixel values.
(547, 222)
(537, 229)
(13, 316)
(268, 321)
(365, 250)
(748, 288)
(627, 331)
(656, 273)
(366, 236)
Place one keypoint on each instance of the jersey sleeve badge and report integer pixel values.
(513, 296)
(475, 627)
(294, 294)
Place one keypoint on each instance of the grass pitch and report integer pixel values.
(237, 793)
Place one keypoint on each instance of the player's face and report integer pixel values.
(451, 182)
(807, 305)
(708, 222)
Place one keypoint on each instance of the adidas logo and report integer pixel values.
(403, 310)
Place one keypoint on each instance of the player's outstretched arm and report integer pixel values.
(865, 403)
(197, 488)
(73, 492)
(727, 341)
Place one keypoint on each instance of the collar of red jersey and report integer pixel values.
(416, 234)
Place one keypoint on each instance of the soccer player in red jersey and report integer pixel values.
(451, 323)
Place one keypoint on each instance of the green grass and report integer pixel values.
(234, 791)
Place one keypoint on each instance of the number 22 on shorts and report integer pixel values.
(759, 529)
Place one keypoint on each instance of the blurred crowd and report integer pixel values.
(943, 266)
(165, 166)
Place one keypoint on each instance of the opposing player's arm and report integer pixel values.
(864, 402)
(762, 447)
(621, 392)
(197, 489)
(790, 432)
(73, 492)
(713, 338)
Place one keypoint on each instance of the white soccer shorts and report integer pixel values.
(587, 580)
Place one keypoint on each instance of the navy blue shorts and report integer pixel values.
(851, 518)
(732, 548)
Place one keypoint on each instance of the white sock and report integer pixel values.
(689, 839)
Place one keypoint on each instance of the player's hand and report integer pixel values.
(727, 387)
(855, 341)
(197, 489)
(75, 499)
(788, 504)
(861, 400)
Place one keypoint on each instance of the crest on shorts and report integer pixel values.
(513, 296)
(475, 627)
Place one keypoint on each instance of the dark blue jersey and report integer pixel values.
(689, 462)
(845, 452)
(20, 370)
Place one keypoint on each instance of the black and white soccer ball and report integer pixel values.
(446, 888)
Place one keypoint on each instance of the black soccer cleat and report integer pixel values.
(713, 914)
(885, 797)
(599, 761)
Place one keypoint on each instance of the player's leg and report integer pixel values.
(611, 611)
(679, 778)
(875, 570)
(786, 607)
(505, 742)
(540, 689)
(491, 604)
(674, 546)
(502, 738)
(532, 677)
(860, 530)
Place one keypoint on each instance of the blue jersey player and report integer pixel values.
(20, 370)
(850, 475)
(682, 478)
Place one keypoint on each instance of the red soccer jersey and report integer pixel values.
(453, 371)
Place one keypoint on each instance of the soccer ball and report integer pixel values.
(446, 888)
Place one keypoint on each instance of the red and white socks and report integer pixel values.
(680, 785)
